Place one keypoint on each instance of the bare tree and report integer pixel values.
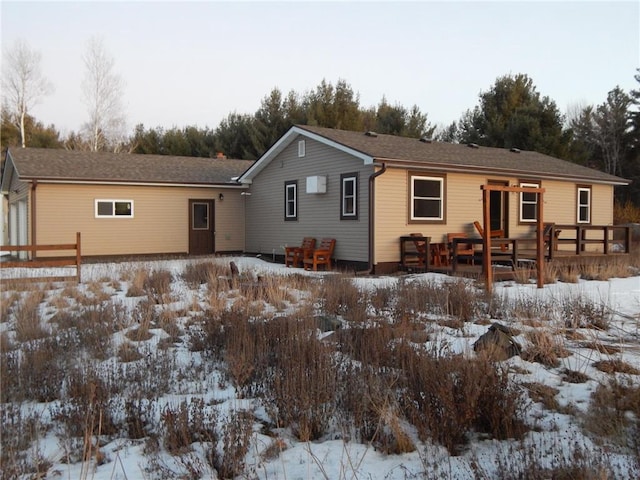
(102, 92)
(23, 83)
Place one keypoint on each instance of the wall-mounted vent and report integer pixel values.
(371, 133)
(473, 145)
(514, 150)
(426, 140)
(317, 184)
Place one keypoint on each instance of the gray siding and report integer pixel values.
(318, 214)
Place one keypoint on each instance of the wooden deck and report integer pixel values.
(567, 245)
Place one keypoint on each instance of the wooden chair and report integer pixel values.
(492, 234)
(546, 235)
(320, 256)
(421, 248)
(294, 255)
(464, 249)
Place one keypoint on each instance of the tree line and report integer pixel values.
(511, 113)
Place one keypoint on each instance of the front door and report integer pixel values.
(498, 211)
(201, 227)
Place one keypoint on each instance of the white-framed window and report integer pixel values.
(584, 205)
(302, 148)
(291, 200)
(427, 198)
(107, 208)
(529, 203)
(349, 196)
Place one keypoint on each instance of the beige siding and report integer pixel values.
(318, 214)
(463, 205)
(160, 223)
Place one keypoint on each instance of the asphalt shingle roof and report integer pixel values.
(403, 149)
(72, 165)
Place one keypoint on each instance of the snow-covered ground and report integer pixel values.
(556, 438)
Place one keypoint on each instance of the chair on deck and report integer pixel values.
(294, 255)
(463, 249)
(421, 248)
(492, 234)
(546, 235)
(320, 256)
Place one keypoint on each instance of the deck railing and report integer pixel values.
(578, 235)
(75, 261)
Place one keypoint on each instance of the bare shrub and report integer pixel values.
(574, 376)
(582, 312)
(139, 417)
(569, 274)
(236, 434)
(539, 392)
(21, 430)
(616, 366)
(27, 315)
(609, 408)
(339, 296)
(544, 348)
(128, 353)
(7, 300)
(157, 286)
(196, 274)
(449, 396)
(187, 423)
(303, 382)
(138, 279)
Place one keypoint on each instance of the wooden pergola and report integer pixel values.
(486, 237)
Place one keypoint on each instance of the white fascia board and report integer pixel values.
(286, 139)
(141, 184)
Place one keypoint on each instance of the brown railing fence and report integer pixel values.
(75, 261)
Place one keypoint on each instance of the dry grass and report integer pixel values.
(544, 348)
(539, 392)
(27, 316)
(616, 366)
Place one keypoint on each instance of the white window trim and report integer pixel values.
(302, 148)
(588, 205)
(113, 209)
(528, 220)
(354, 180)
(291, 187)
(440, 198)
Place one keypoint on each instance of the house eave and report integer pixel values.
(132, 183)
(286, 140)
(440, 167)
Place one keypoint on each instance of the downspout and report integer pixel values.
(372, 223)
(34, 184)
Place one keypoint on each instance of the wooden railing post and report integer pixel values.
(78, 258)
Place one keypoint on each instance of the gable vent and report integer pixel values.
(514, 150)
(473, 145)
(371, 133)
(425, 140)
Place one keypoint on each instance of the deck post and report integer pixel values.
(78, 258)
(486, 239)
(540, 241)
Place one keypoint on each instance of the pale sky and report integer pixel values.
(193, 63)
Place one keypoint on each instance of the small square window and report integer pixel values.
(113, 208)
(427, 198)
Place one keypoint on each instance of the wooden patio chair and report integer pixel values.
(492, 234)
(294, 255)
(464, 249)
(421, 247)
(320, 256)
(546, 235)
